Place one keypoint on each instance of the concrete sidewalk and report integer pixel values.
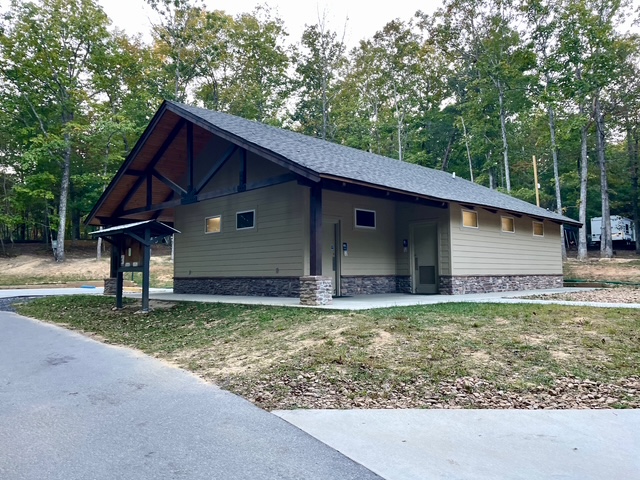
(359, 302)
(365, 302)
(482, 444)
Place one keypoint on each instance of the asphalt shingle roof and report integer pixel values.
(326, 158)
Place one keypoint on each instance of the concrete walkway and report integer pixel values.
(482, 444)
(359, 302)
(365, 302)
(75, 409)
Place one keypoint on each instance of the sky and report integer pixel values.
(363, 18)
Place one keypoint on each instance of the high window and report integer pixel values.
(469, 219)
(213, 224)
(245, 220)
(365, 218)
(508, 224)
(538, 229)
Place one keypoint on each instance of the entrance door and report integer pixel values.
(425, 258)
(330, 253)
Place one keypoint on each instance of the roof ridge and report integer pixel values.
(343, 161)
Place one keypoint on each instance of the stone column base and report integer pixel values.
(110, 285)
(316, 290)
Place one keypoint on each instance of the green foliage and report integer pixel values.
(455, 90)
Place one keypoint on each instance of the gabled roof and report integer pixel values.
(306, 156)
(331, 160)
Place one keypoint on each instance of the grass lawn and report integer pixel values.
(440, 356)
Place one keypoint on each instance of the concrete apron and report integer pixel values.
(481, 444)
(365, 302)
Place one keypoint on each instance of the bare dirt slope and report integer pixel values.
(33, 264)
(625, 270)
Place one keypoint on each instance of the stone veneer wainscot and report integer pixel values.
(459, 285)
(249, 286)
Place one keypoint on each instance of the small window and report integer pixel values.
(538, 229)
(508, 224)
(245, 220)
(469, 219)
(212, 224)
(365, 218)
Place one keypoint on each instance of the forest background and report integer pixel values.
(477, 87)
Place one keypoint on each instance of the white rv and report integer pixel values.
(622, 230)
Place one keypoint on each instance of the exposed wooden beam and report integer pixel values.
(152, 208)
(159, 212)
(134, 189)
(214, 169)
(315, 226)
(130, 158)
(169, 183)
(149, 190)
(149, 168)
(242, 142)
(268, 182)
(242, 181)
(146, 273)
(134, 173)
(190, 166)
(139, 238)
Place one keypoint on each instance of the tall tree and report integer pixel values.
(318, 61)
(479, 35)
(177, 37)
(591, 46)
(542, 18)
(255, 84)
(47, 49)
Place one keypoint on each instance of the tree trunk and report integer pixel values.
(447, 152)
(505, 145)
(636, 209)
(325, 107)
(632, 151)
(606, 245)
(466, 142)
(399, 141)
(584, 171)
(64, 194)
(556, 174)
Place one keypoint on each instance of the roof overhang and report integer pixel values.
(157, 175)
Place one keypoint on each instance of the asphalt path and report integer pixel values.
(72, 408)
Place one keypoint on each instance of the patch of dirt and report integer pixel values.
(596, 269)
(481, 357)
(560, 355)
(30, 266)
(33, 264)
(382, 340)
(603, 295)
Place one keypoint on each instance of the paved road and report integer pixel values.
(72, 408)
